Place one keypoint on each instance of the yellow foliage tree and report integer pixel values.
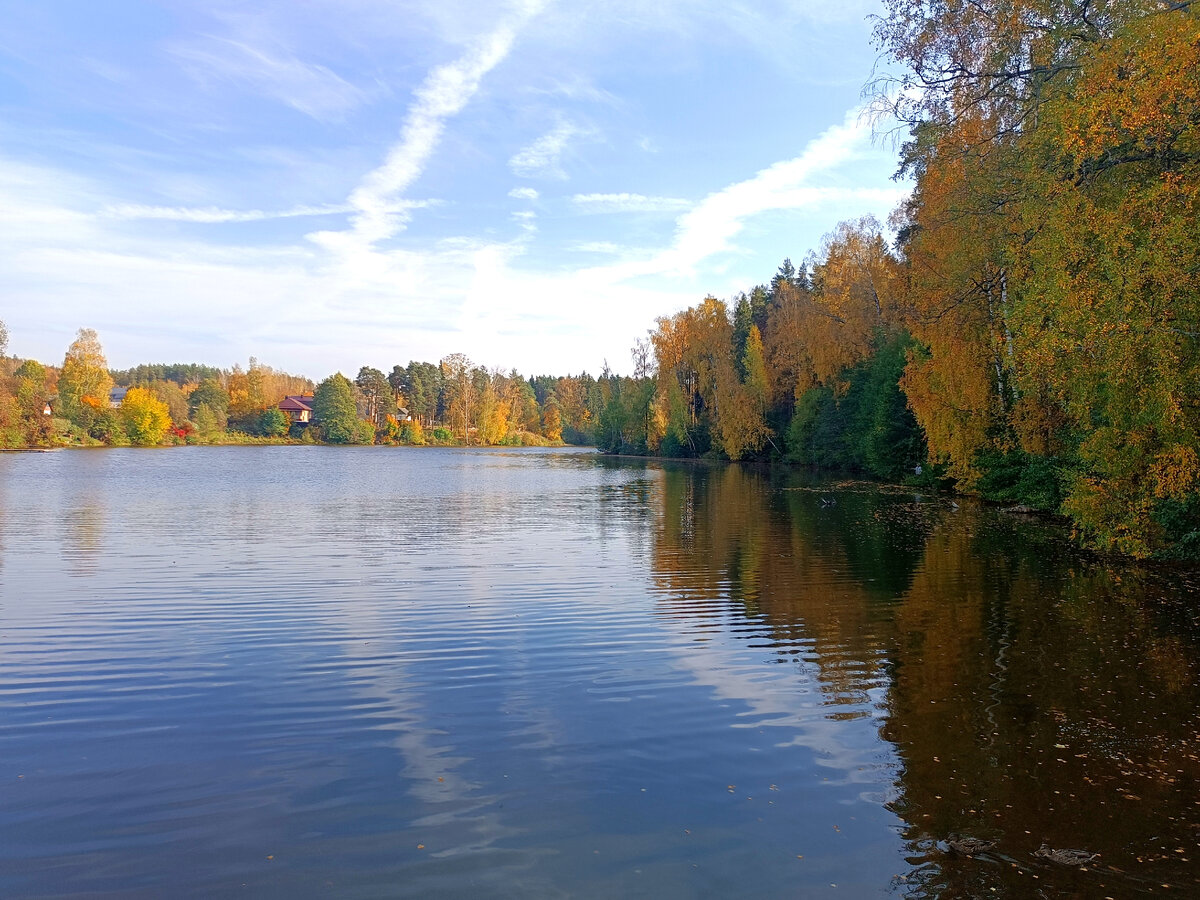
(146, 417)
(84, 382)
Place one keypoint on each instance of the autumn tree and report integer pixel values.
(1050, 247)
(1107, 280)
(84, 382)
(552, 420)
(146, 417)
(461, 391)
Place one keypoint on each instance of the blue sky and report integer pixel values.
(325, 184)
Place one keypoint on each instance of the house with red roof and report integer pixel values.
(298, 408)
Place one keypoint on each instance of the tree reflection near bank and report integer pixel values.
(1033, 696)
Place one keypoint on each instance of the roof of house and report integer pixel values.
(298, 403)
(117, 394)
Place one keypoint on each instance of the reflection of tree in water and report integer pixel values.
(1033, 696)
(880, 536)
(5, 519)
(83, 536)
(813, 573)
(1043, 701)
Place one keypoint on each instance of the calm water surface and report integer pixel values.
(295, 671)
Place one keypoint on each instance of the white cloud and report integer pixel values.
(313, 90)
(617, 203)
(216, 215)
(443, 94)
(596, 247)
(710, 227)
(523, 193)
(526, 219)
(542, 158)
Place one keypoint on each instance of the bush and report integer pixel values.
(106, 425)
(1180, 524)
(364, 433)
(442, 435)
(575, 436)
(1025, 478)
(412, 433)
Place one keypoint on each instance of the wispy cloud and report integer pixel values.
(618, 203)
(527, 219)
(712, 225)
(543, 158)
(216, 215)
(443, 94)
(523, 193)
(597, 247)
(807, 180)
(580, 90)
(311, 89)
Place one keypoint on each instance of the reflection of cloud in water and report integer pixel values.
(761, 616)
(785, 697)
(461, 577)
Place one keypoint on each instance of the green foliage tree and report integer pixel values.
(29, 405)
(180, 374)
(334, 409)
(378, 393)
(273, 422)
(209, 422)
(172, 395)
(210, 393)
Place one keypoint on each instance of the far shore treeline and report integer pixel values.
(85, 403)
(1029, 332)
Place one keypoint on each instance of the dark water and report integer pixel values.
(291, 672)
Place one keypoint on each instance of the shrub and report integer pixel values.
(412, 433)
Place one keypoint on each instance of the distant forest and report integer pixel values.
(1027, 327)
(83, 402)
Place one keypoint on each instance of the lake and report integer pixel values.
(401, 672)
